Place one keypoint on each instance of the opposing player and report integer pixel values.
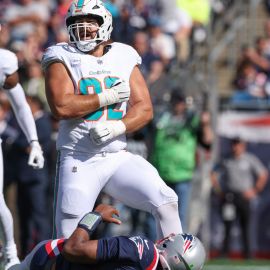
(79, 252)
(89, 82)
(9, 83)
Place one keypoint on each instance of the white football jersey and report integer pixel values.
(92, 75)
(8, 65)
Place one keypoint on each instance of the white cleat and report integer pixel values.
(11, 262)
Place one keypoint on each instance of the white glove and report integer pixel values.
(36, 159)
(119, 92)
(105, 131)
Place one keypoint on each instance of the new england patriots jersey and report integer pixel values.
(8, 65)
(114, 253)
(91, 74)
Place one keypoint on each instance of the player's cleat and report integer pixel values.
(11, 262)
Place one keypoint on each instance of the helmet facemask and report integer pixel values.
(181, 252)
(170, 257)
(85, 35)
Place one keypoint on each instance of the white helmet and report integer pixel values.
(92, 9)
(181, 252)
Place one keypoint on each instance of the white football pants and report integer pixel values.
(126, 177)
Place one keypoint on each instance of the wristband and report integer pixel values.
(90, 222)
(107, 98)
(119, 128)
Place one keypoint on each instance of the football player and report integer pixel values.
(89, 83)
(79, 252)
(9, 83)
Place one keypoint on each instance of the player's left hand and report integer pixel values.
(105, 131)
(107, 212)
(36, 159)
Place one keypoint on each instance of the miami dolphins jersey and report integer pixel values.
(89, 75)
(114, 253)
(8, 65)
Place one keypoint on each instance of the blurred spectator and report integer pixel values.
(237, 189)
(199, 10)
(55, 29)
(162, 45)
(172, 17)
(151, 67)
(267, 5)
(4, 4)
(35, 84)
(4, 36)
(267, 38)
(258, 57)
(178, 23)
(250, 84)
(32, 184)
(33, 49)
(62, 8)
(112, 6)
(178, 132)
(138, 14)
(25, 16)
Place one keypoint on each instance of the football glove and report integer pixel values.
(105, 131)
(119, 92)
(36, 159)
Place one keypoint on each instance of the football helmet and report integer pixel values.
(94, 9)
(181, 252)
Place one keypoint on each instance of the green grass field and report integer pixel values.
(233, 265)
(237, 265)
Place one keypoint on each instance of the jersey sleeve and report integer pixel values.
(50, 56)
(44, 254)
(136, 250)
(136, 56)
(10, 63)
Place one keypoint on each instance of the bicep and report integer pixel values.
(58, 84)
(139, 89)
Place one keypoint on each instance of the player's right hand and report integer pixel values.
(119, 92)
(107, 213)
(36, 158)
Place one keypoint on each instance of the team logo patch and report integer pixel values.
(75, 62)
(138, 241)
(187, 241)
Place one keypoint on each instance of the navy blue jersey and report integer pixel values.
(114, 253)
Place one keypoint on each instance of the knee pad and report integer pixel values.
(167, 220)
(166, 211)
(169, 196)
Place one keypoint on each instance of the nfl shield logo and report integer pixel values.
(100, 62)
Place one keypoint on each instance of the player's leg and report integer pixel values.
(77, 186)
(137, 183)
(183, 191)
(7, 223)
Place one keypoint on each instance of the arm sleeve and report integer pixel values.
(9, 65)
(22, 112)
(137, 59)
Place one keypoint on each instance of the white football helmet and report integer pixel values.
(91, 9)
(181, 252)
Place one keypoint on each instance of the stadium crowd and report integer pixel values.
(163, 32)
